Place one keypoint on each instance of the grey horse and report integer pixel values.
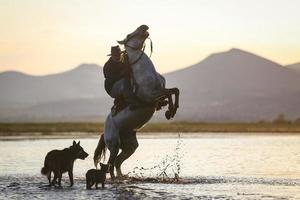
(120, 130)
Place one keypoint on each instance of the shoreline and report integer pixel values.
(65, 130)
(97, 127)
(141, 135)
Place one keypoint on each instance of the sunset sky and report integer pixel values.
(41, 36)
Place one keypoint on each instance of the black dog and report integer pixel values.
(96, 176)
(60, 161)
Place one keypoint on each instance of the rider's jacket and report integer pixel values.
(113, 71)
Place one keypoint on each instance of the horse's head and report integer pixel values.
(136, 39)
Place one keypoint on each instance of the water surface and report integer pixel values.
(210, 166)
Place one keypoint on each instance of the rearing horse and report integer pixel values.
(120, 130)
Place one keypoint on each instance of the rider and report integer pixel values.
(117, 78)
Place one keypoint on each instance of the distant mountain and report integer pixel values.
(236, 86)
(66, 95)
(81, 82)
(295, 67)
(229, 86)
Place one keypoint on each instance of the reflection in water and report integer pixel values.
(210, 167)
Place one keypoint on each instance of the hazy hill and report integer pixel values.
(236, 85)
(72, 95)
(229, 86)
(81, 82)
(295, 67)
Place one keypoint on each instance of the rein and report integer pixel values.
(143, 51)
(134, 62)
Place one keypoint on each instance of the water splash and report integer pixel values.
(168, 168)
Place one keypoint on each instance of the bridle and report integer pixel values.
(137, 48)
(140, 56)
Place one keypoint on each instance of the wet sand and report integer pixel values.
(35, 187)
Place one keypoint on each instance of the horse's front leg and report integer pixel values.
(176, 92)
(166, 94)
(170, 112)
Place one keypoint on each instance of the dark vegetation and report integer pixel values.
(278, 125)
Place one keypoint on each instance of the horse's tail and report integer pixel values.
(99, 151)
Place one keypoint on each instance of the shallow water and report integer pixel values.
(210, 166)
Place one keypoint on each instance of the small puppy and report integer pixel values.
(60, 161)
(96, 176)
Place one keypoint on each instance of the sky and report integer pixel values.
(41, 37)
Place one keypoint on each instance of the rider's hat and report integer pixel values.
(114, 50)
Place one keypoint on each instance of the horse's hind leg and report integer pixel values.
(129, 144)
(112, 141)
(125, 154)
(112, 158)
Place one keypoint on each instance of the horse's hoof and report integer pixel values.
(119, 172)
(168, 115)
(112, 176)
(174, 113)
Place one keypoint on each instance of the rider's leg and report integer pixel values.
(123, 87)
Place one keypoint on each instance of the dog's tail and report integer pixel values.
(44, 170)
(100, 151)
